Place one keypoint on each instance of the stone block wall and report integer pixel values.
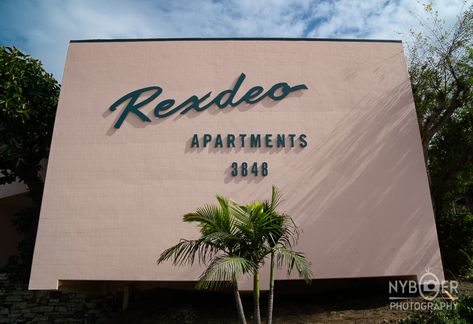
(20, 305)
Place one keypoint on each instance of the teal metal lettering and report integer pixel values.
(281, 140)
(302, 140)
(255, 140)
(268, 140)
(218, 141)
(207, 139)
(195, 141)
(131, 107)
(242, 138)
(291, 136)
(230, 140)
(224, 99)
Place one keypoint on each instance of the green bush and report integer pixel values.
(455, 231)
(461, 313)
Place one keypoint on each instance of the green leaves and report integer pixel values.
(28, 99)
(220, 244)
(290, 258)
(224, 270)
(236, 239)
(441, 71)
(186, 251)
(440, 67)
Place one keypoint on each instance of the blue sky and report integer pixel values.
(43, 28)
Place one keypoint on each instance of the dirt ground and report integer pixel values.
(362, 303)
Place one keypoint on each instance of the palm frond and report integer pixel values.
(223, 271)
(224, 241)
(290, 234)
(291, 258)
(240, 212)
(242, 220)
(204, 215)
(211, 218)
(223, 202)
(185, 252)
(276, 198)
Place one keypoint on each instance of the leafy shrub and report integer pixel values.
(455, 231)
(461, 313)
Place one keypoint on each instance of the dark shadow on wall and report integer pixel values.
(346, 189)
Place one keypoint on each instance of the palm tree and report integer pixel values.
(236, 240)
(280, 248)
(256, 225)
(220, 245)
(268, 232)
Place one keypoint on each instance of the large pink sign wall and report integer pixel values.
(148, 130)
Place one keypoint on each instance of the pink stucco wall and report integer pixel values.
(114, 199)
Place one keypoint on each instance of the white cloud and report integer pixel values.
(377, 19)
(44, 28)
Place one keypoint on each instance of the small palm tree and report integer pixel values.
(268, 232)
(236, 240)
(280, 248)
(257, 226)
(220, 245)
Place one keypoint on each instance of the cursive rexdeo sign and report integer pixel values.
(224, 99)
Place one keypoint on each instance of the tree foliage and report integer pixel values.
(441, 71)
(280, 248)
(235, 241)
(219, 245)
(28, 99)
